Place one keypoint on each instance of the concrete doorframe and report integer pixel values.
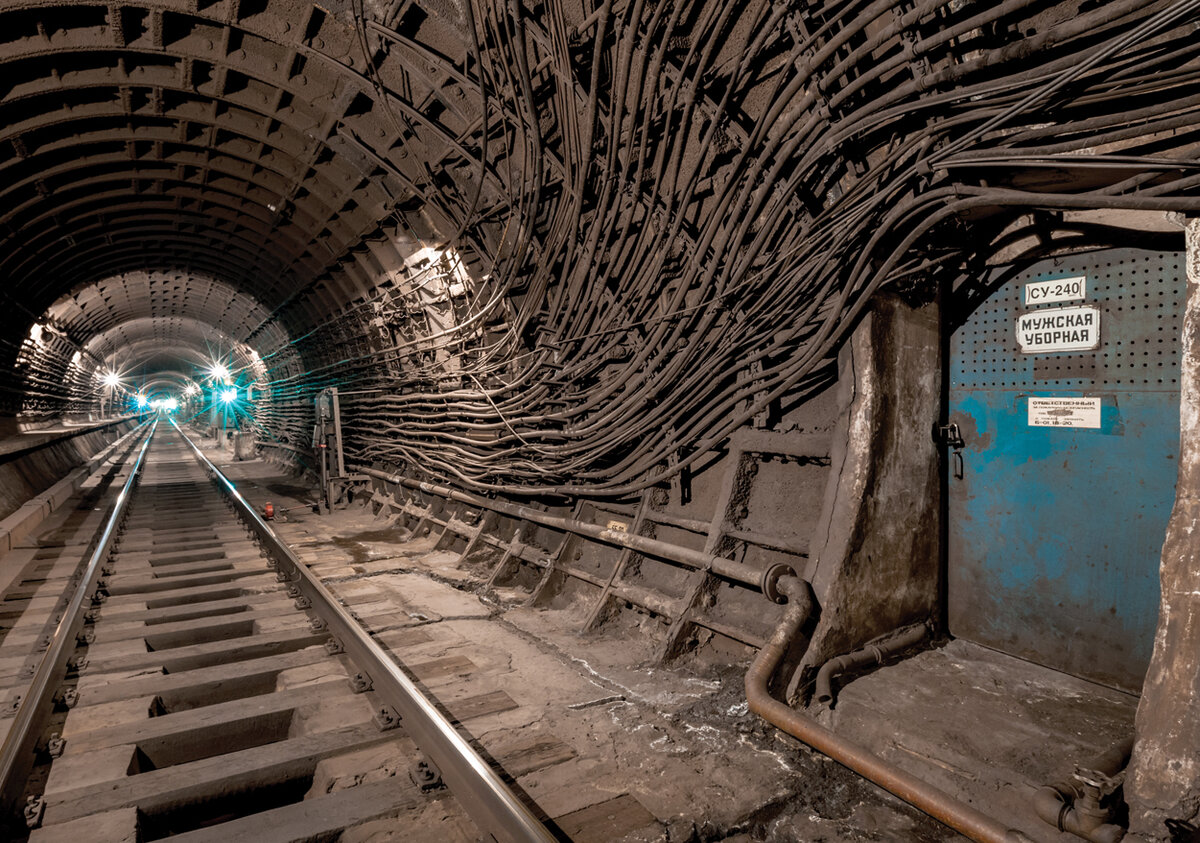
(1163, 779)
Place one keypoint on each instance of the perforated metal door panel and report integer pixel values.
(1055, 532)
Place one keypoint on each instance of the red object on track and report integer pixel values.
(269, 511)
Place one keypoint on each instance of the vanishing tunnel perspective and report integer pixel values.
(614, 420)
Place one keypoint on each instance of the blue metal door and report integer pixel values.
(1059, 501)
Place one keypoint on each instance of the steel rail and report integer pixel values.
(489, 801)
(17, 753)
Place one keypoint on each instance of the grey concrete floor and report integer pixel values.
(677, 743)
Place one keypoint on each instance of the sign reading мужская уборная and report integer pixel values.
(1059, 329)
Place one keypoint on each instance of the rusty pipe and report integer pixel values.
(1073, 805)
(870, 654)
(940, 805)
(728, 568)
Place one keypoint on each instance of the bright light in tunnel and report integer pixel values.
(219, 371)
(141, 400)
(112, 379)
(190, 390)
(229, 395)
(170, 405)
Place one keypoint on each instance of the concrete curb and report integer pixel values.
(32, 513)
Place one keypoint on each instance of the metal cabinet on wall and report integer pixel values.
(1061, 490)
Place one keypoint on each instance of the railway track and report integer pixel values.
(198, 682)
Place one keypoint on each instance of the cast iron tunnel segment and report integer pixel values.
(176, 612)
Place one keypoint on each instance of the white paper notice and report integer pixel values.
(1064, 412)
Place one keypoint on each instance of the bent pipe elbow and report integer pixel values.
(1114, 759)
(799, 608)
(1055, 808)
(938, 804)
(823, 692)
(1055, 803)
(871, 654)
(1051, 805)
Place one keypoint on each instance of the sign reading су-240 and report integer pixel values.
(1059, 329)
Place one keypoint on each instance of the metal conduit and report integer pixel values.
(573, 393)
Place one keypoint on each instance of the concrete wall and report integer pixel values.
(35, 481)
(876, 562)
(1163, 780)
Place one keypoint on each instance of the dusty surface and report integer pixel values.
(986, 727)
(655, 754)
(673, 754)
(209, 719)
(607, 744)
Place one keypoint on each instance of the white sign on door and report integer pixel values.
(1064, 412)
(1055, 290)
(1059, 329)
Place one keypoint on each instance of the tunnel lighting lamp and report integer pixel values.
(170, 405)
(229, 395)
(191, 389)
(219, 371)
(112, 379)
(141, 400)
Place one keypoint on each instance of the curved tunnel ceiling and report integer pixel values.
(141, 321)
(562, 247)
(156, 160)
(149, 139)
(106, 303)
(144, 344)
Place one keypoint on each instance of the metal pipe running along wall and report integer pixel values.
(773, 581)
(759, 578)
(937, 803)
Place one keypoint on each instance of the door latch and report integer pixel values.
(951, 436)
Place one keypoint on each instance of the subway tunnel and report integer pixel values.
(846, 351)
